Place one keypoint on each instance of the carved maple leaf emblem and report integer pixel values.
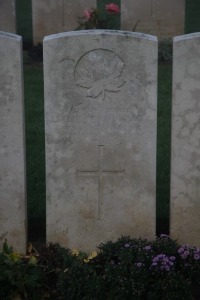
(99, 71)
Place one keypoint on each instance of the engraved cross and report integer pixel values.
(99, 173)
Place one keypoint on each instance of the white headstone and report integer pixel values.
(7, 16)
(50, 16)
(185, 157)
(159, 17)
(12, 157)
(100, 109)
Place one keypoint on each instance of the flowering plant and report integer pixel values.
(128, 268)
(93, 19)
(136, 269)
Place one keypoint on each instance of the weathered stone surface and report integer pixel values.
(12, 162)
(159, 17)
(7, 16)
(50, 16)
(185, 157)
(100, 110)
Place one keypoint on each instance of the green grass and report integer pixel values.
(34, 108)
(192, 19)
(163, 146)
(24, 21)
(35, 149)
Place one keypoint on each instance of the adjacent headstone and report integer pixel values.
(7, 16)
(100, 110)
(50, 16)
(185, 157)
(159, 17)
(12, 162)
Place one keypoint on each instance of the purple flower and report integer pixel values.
(163, 262)
(161, 256)
(139, 264)
(196, 256)
(172, 258)
(185, 254)
(164, 235)
(197, 251)
(127, 245)
(180, 250)
(156, 259)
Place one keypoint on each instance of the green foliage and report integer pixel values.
(116, 20)
(170, 286)
(53, 259)
(164, 244)
(19, 277)
(192, 20)
(81, 282)
(24, 21)
(99, 18)
(127, 269)
(133, 269)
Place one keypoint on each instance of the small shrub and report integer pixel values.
(81, 282)
(128, 269)
(135, 269)
(19, 276)
(53, 259)
(93, 19)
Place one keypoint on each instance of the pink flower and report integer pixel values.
(112, 8)
(87, 14)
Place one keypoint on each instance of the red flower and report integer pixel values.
(112, 8)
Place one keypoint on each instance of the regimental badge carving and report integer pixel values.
(99, 71)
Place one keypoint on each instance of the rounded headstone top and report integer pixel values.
(9, 35)
(102, 32)
(185, 37)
